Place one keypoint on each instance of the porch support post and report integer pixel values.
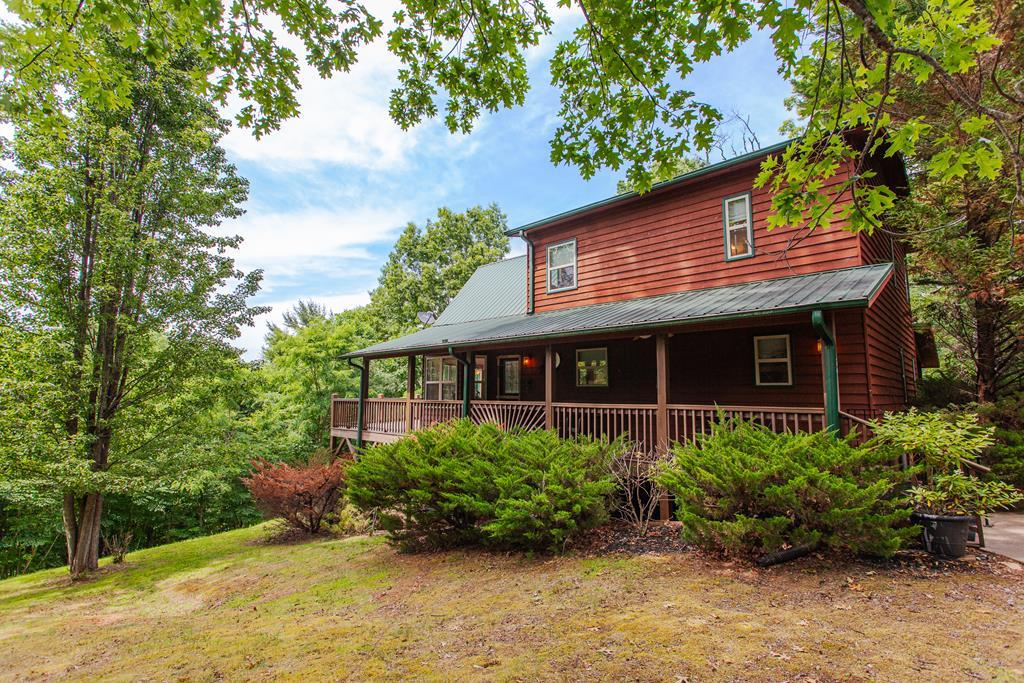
(661, 419)
(465, 376)
(549, 387)
(364, 388)
(830, 369)
(410, 388)
(468, 368)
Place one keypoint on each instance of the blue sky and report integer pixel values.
(330, 191)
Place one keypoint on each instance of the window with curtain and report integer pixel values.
(562, 266)
(773, 362)
(440, 378)
(739, 229)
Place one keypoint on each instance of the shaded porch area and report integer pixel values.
(789, 353)
(653, 388)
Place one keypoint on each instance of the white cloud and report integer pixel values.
(312, 240)
(343, 121)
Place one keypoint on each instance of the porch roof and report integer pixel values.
(843, 288)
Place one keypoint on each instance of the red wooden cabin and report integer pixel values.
(647, 314)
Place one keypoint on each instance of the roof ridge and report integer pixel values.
(607, 201)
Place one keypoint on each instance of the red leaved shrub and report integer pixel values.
(300, 495)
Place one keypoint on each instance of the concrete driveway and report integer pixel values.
(1006, 535)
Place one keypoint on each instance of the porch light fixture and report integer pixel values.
(528, 362)
(819, 346)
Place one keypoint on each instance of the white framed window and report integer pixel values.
(480, 378)
(440, 378)
(592, 367)
(738, 223)
(773, 362)
(562, 266)
(508, 376)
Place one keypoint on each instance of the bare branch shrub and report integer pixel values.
(640, 494)
(118, 545)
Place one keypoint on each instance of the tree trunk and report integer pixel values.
(985, 351)
(83, 533)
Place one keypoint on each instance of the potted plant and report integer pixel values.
(946, 505)
(949, 499)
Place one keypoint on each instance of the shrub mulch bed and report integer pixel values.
(618, 537)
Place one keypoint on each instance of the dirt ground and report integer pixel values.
(235, 607)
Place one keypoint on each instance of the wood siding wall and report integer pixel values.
(891, 352)
(672, 240)
(707, 364)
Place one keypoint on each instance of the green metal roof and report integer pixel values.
(831, 289)
(685, 177)
(494, 290)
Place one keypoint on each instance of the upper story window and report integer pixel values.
(739, 227)
(773, 363)
(562, 266)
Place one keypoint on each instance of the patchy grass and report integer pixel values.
(231, 606)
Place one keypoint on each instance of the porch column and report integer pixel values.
(410, 388)
(662, 422)
(830, 370)
(364, 390)
(661, 419)
(549, 387)
(467, 381)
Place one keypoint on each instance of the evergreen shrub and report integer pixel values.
(746, 490)
(459, 483)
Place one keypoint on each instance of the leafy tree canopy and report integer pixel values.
(624, 102)
(428, 266)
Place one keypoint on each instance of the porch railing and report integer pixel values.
(426, 412)
(638, 422)
(686, 422)
(509, 414)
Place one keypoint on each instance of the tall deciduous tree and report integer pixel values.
(428, 266)
(962, 219)
(113, 274)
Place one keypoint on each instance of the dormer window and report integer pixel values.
(562, 266)
(739, 227)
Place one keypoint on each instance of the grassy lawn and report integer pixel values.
(231, 606)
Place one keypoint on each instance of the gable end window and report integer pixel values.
(592, 367)
(773, 362)
(562, 266)
(738, 224)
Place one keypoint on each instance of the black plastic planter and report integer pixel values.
(944, 535)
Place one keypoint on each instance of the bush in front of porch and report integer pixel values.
(746, 490)
(460, 483)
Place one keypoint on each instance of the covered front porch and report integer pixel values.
(790, 353)
(654, 387)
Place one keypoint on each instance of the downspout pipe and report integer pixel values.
(466, 378)
(529, 272)
(363, 388)
(830, 369)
